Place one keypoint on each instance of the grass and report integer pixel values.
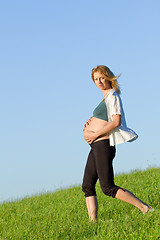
(63, 214)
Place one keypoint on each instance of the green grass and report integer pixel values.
(63, 214)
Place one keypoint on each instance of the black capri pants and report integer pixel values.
(99, 166)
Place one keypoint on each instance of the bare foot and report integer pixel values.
(147, 209)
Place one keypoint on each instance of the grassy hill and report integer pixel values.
(63, 214)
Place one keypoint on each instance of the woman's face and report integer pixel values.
(101, 82)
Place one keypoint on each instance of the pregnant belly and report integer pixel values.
(95, 125)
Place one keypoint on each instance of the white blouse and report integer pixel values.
(122, 133)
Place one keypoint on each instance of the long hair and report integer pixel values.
(108, 75)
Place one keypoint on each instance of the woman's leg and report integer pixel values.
(104, 155)
(129, 197)
(88, 187)
(92, 207)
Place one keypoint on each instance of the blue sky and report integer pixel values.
(47, 51)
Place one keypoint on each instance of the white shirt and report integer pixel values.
(122, 133)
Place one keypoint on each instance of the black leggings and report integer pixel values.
(99, 166)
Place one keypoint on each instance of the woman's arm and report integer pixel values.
(90, 136)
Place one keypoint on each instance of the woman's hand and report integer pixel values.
(89, 136)
(87, 123)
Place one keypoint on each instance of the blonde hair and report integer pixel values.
(108, 75)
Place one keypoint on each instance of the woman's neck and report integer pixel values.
(106, 91)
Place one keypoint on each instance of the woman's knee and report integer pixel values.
(110, 190)
(88, 190)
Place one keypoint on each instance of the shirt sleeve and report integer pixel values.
(115, 104)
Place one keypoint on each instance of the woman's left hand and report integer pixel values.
(87, 123)
(89, 136)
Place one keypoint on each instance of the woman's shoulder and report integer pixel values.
(112, 94)
(113, 99)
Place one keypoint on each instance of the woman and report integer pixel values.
(103, 131)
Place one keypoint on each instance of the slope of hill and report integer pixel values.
(63, 214)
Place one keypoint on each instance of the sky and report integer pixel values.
(47, 51)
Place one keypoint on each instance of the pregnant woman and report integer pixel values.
(103, 131)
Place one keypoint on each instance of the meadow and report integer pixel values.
(63, 214)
